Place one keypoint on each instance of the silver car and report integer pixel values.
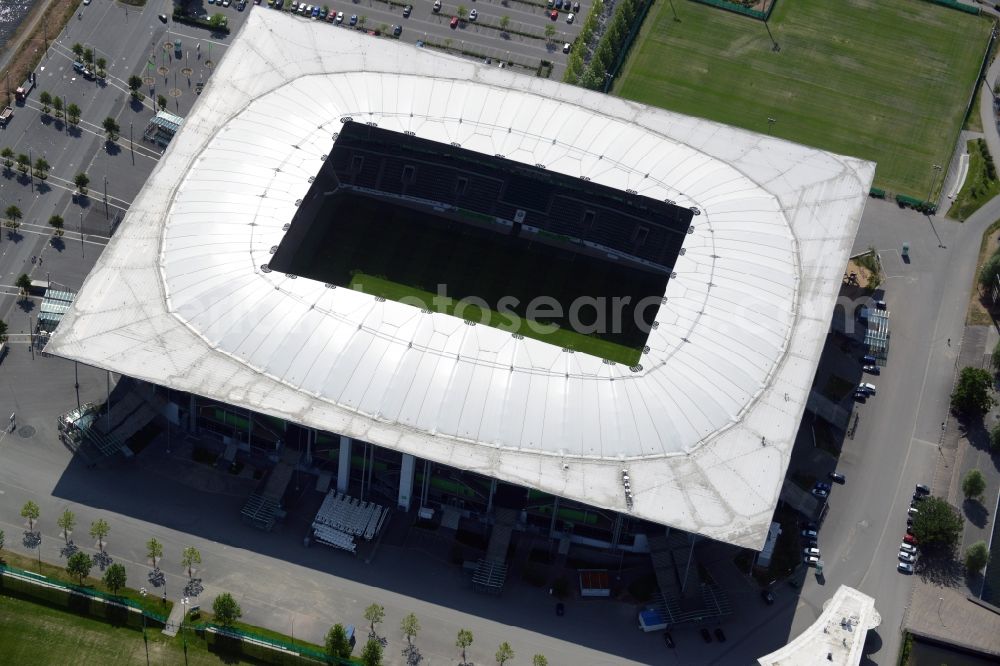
(904, 567)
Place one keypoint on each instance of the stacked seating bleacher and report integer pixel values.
(341, 519)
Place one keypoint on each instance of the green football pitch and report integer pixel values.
(885, 80)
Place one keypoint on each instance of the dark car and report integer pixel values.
(668, 639)
(576, 7)
(719, 636)
(869, 360)
(560, 609)
(923, 489)
(406, 11)
(162, 17)
(705, 636)
(397, 30)
(837, 477)
(767, 596)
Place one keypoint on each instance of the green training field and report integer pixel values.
(886, 80)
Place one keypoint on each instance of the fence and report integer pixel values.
(264, 648)
(81, 600)
(737, 8)
(954, 4)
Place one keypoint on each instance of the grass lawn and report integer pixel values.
(32, 633)
(560, 337)
(885, 80)
(978, 187)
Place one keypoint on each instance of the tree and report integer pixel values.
(226, 610)
(539, 660)
(217, 21)
(13, 214)
(374, 614)
(111, 128)
(154, 550)
(134, 82)
(504, 653)
(189, 558)
(972, 396)
(102, 66)
(115, 578)
(462, 12)
(31, 512)
(23, 162)
(161, 101)
(3, 331)
(463, 641)
(78, 50)
(23, 283)
(504, 23)
(362, 20)
(989, 271)
(88, 56)
(41, 168)
(410, 626)
(57, 104)
(937, 523)
(79, 565)
(1, 539)
(81, 180)
(46, 99)
(976, 557)
(995, 438)
(8, 157)
(337, 645)
(66, 522)
(73, 114)
(99, 530)
(56, 222)
(973, 484)
(371, 655)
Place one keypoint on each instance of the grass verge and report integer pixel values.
(560, 337)
(980, 185)
(978, 312)
(887, 81)
(974, 123)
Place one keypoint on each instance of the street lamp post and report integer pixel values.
(774, 43)
(107, 213)
(130, 144)
(145, 642)
(934, 167)
(185, 602)
(770, 124)
(82, 253)
(674, 11)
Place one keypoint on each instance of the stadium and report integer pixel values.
(274, 278)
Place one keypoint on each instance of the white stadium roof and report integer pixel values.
(705, 428)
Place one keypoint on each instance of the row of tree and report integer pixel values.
(608, 49)
(41, 165)
(338, 645)
(87, 56)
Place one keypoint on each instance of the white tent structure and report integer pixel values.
(704, 428)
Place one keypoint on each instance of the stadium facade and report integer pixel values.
(428, 407)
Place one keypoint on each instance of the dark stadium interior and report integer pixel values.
(421, 214)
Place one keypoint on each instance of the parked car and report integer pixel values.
(566, 47)
(905, 567)
(913, 511)
(767, 596)
(910, 539)
(340, 17)
(811, 551)
(437, 5)
(822, 493)
(869, 360)
(917, 497)
(668, 639)
(923, 489)
(406, 11)
(872, 370)
(559, 4)
(162, 17)
(454, 22)
(397, 30)
(705, 636)
(906, 557)
(719, 636)
(323, 14)
(570, 17)
(576, 7)
(315, 12)
(354, 19)
(867, 388)
(810, 560)
(908, 548)
(554, 15)
(837, 477)
(473, 15)
(241, 5)
(809, 534)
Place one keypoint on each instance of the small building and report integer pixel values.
(162, 128)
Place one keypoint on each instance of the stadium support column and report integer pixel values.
(193, 413)
(493, 491)
(555, 513)
(406, 472)
(344, 465)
